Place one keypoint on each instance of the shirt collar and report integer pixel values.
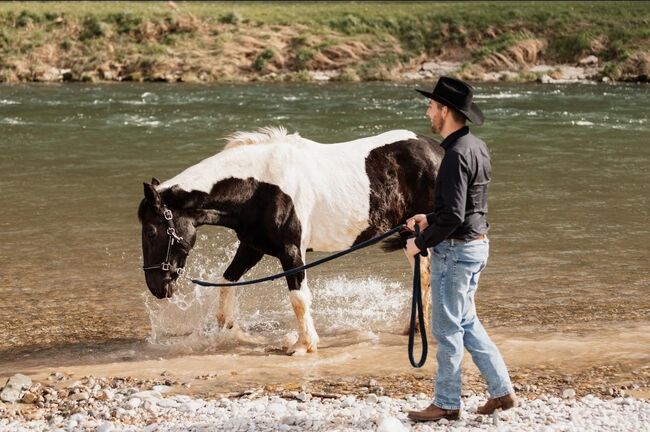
(452, 137)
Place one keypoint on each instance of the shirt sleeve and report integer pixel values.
(453, 177)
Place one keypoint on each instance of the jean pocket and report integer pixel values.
(473, 252)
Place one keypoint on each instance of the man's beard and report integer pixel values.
(435, 128)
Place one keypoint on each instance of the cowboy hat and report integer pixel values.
(458, 95)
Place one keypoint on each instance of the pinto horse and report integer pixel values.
(284, 195)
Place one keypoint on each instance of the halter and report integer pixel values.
(172, 237)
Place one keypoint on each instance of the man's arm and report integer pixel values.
(453, 174)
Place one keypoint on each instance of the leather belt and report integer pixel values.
(453, 241)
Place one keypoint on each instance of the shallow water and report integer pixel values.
(568, 209)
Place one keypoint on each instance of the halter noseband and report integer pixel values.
(172, 237)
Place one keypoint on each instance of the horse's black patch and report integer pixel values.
(261, 214)
(402, 176)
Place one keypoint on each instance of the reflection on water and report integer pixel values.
(568, 210)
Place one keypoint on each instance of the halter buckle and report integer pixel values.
(165, 266)
(168, 215)
(180, 271)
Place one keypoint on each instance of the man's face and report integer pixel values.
(436, 115)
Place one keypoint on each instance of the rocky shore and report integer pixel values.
(65, 402)
(588, 70)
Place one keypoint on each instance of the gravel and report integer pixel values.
(107, 405)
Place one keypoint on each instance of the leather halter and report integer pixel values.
(172, 238)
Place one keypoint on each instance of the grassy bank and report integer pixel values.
(243, 41)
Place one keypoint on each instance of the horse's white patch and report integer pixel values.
(227, 306)
(301, 302)
(327, 183)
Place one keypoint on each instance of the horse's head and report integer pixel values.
(167, 237)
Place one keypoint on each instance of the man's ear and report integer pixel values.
(151, 195)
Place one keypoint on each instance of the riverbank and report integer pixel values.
(127, 404)
(585, 382)
(231, 42)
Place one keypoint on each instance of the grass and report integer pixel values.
(403, 30)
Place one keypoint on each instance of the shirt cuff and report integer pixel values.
(430, 218)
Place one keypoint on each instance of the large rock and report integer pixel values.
(591, 60)
(440, 68)
(15, 385)
(10, 394)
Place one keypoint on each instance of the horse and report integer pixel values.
(284, 195)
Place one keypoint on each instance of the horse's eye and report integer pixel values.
(151, 232)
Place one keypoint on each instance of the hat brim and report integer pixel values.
(474, 114)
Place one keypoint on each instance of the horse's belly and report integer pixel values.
(337, 227)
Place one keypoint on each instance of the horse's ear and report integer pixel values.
(151, 195)
(154, 181)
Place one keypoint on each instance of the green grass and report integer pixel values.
(476, 28)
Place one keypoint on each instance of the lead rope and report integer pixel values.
(303, 267)
(416, 307)
(416, 304)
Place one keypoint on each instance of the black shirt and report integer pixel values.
(460, 192)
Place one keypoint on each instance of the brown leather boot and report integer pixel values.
(433, 413)
(503, 403)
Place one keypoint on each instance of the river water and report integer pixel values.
(569, 210)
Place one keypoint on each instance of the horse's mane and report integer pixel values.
(264, 135)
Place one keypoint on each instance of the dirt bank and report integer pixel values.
(170, 42)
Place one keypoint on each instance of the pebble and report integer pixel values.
(372, 398)
(568, 393)
(105, 427)
(391, 424)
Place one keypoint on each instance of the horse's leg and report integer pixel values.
(425, 283)
(245, 258)
(300, 297)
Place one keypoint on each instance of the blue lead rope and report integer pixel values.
(416, 305)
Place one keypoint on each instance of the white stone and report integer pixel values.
(105, 427)
(568, 393)
(277, 409)
(10, 394)
(19, 381)
(372, 398)
(589, 61)
(79, 396)
(391, 424)
(134, 403)
(161, 388)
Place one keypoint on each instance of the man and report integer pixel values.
(456, 231)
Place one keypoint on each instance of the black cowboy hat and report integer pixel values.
(458, 95)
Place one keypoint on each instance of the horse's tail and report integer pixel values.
(395, 242)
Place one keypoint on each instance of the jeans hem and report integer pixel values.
(445, 406)
(502, 393)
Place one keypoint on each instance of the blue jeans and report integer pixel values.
(455, 270)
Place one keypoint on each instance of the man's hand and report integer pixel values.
(420, 219)
(411, 248)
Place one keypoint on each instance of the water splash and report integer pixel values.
(368, 304)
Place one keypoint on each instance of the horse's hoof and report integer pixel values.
(299, 349)
(297, 352)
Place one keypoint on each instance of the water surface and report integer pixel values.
(569, 211)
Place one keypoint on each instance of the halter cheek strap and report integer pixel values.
(172, 237)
